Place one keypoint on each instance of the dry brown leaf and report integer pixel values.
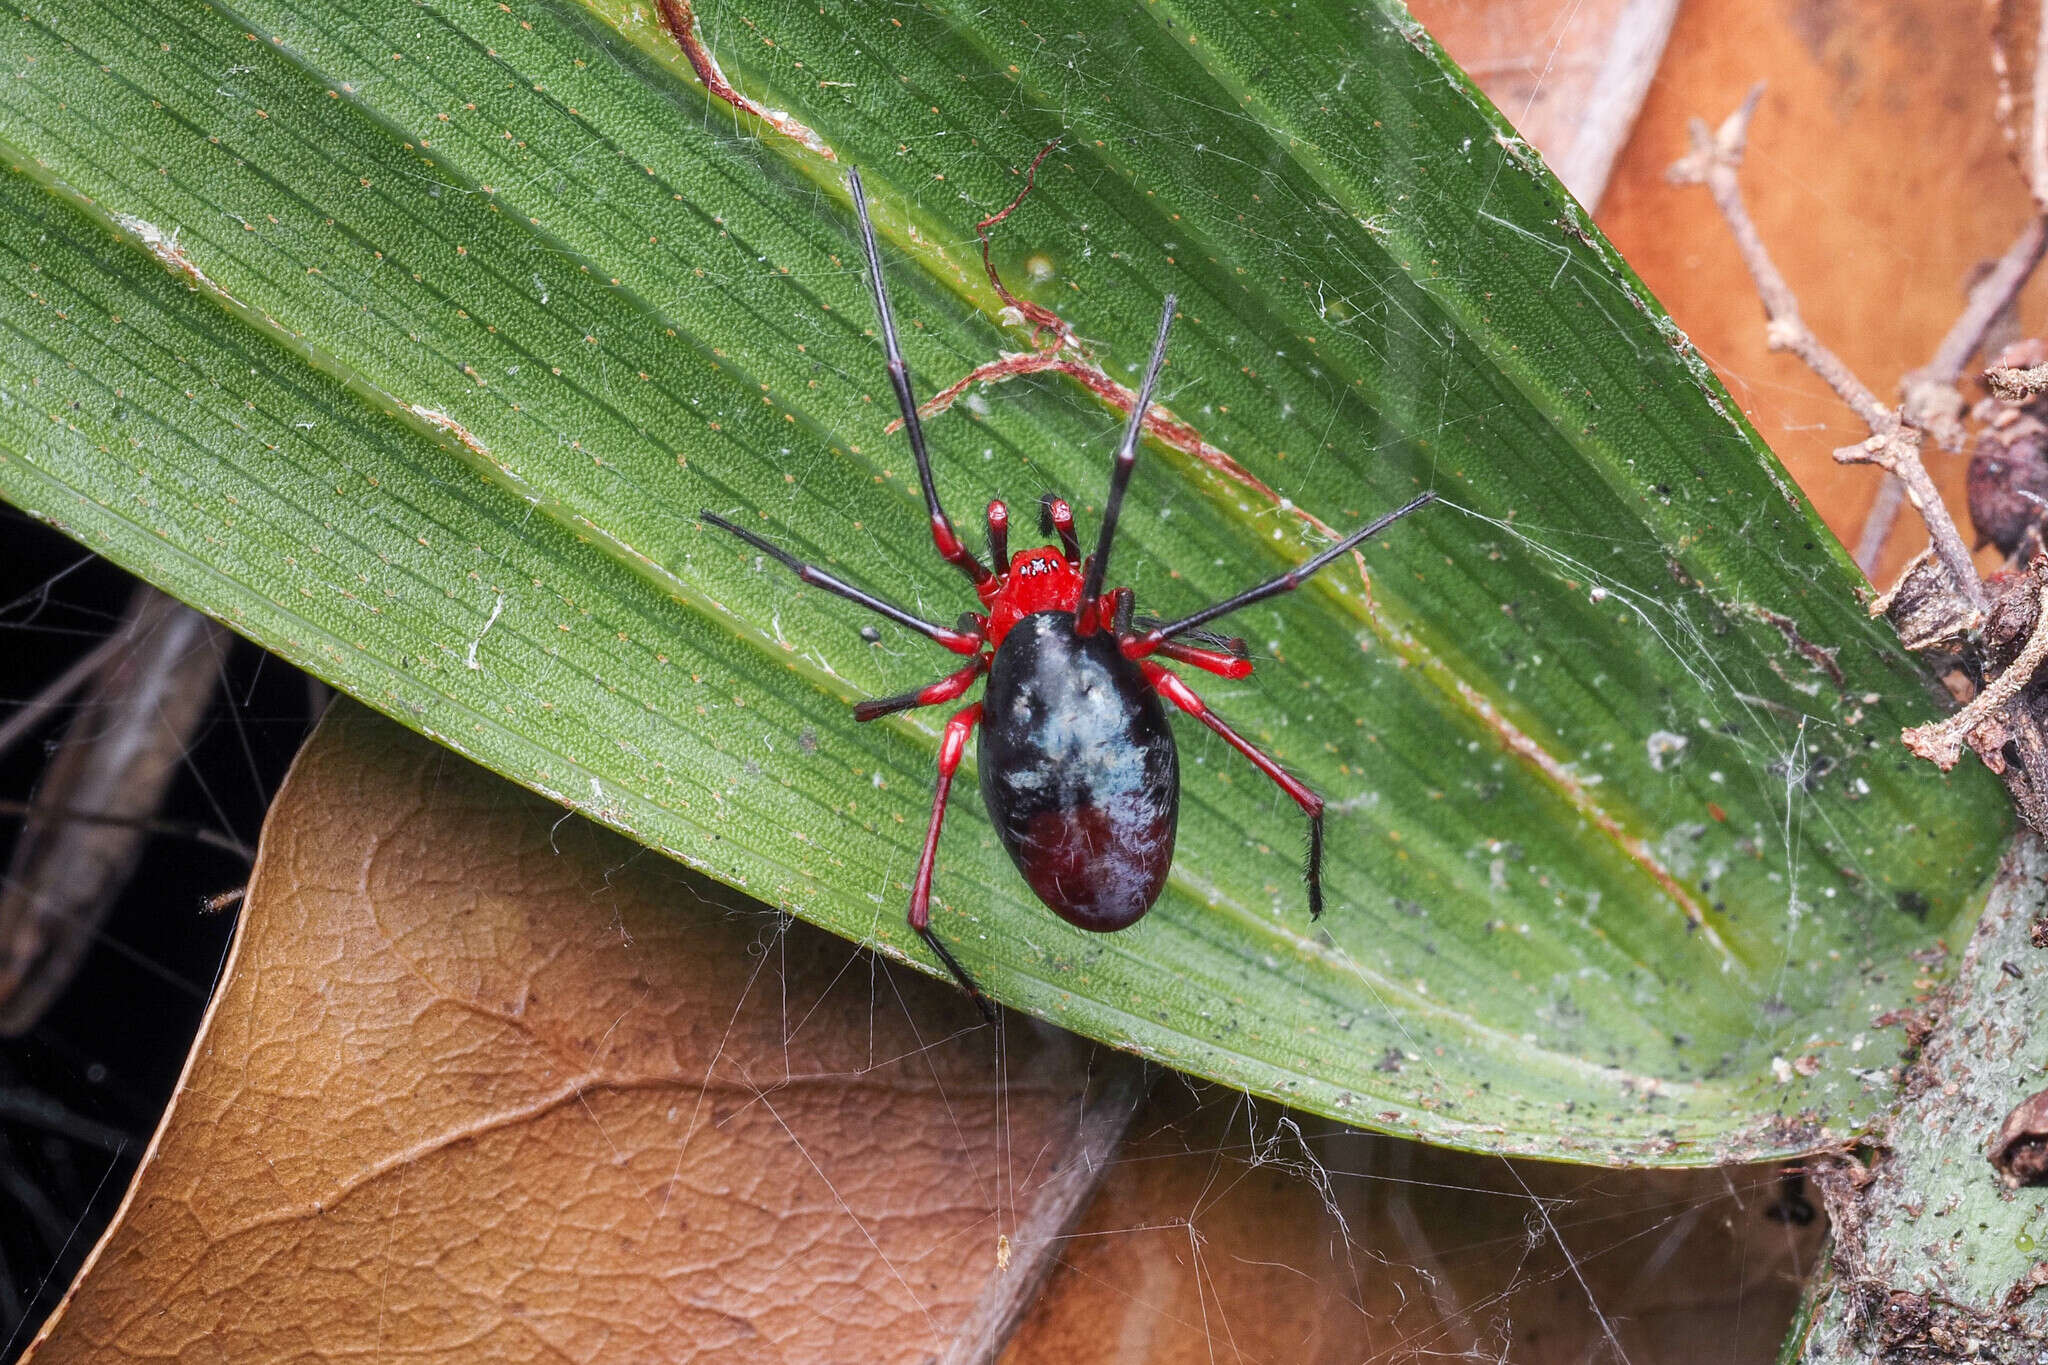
(1226, 1232)
(1880, 180)
(1878, 173)
(85, 830)
(453, 1097)
(1879, 177)
(485, 1082)
(1570, 74)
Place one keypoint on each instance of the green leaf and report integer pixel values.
(408, 339)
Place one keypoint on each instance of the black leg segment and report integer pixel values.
(943, 534)
(952, 964)
(1056, 517)
(1126, 461)
(1313, 872)
(1293, 578)
(954, 640)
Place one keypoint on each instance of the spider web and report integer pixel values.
(1222, 1228)
(1231, 1229)
(1234, 1230)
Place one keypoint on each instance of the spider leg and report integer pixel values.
(943, 535)
(960, 642)
(1232, 661)
(1122, 601)
(1055, 514)
(999, 535)
(1120, 476)
(1206, 639)
(1223, 665)
(952, 747)
(1287, 582)
(1180, 694)
(931, 694)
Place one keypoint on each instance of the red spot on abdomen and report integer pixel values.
(1096, 872)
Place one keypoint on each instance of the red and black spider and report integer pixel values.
(1077, 763)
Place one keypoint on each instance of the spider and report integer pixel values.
(1077, 764)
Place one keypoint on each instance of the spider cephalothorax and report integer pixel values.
(1077, 763)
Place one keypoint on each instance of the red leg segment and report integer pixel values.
(1056, 516)
(1210, 660)
(932, 694)
(1170, 686)
(952, 748)
(999, 536)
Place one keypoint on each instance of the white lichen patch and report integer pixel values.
(1666, 749)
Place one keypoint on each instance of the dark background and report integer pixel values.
(81, 1091)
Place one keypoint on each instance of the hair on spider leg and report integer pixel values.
(1056, 517)
(952, 964)
(1233, 645)
(1312, 866)
(998, 518)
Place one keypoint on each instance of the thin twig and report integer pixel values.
(2032, 160)
(2001, 72)
(1635, 46)
(176, 829)
(1898, 452)
(1041, 319)
(1894, 444)
(2037, 148)
(2017, 384)
(1989, 298)
(1877, 524)
(681, 20)
(37, 1110)
(59, 689)
(117, 759)
(1928, 397)
(1941, 742)
(1715, 162)
(1035, 1252)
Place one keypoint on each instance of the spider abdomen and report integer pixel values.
(1079, 772)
